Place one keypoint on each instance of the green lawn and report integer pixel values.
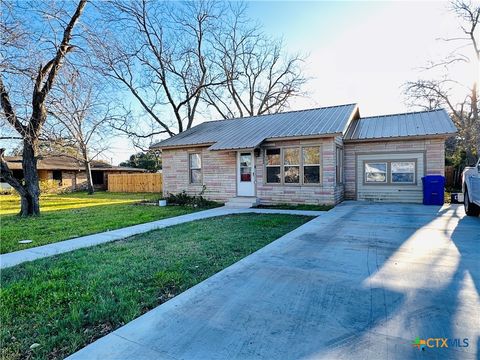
(65, 302)
(77, 214)
(297, 207)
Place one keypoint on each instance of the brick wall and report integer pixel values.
(434, 149)
(327, 192)
(218, 170)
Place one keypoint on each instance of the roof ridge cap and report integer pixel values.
(278, 113)
(403, 113)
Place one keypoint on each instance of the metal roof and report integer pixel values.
(422, 123)
(249, 132)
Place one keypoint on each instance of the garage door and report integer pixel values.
(393, 177)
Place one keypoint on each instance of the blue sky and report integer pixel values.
(358, 51)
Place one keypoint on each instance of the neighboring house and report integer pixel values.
(68, 172)
(316, 156)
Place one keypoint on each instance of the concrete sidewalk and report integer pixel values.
(18, 257)
(360, 282)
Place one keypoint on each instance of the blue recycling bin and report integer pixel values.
(433, 189)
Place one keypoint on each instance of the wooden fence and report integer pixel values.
(135, 183)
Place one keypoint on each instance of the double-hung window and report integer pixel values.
(291, 165)
(273, 166)
(311, 164)
(195, 165)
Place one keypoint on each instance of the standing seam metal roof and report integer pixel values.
(249, 132)
(434, 122)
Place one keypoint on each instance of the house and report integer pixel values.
(68, 172)
(315, 156)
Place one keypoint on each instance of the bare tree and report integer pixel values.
(259, 77)
(444, 91)
(82, 115)
(163, 62)
(29, 127)
(178, 59)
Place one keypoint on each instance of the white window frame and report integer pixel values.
(273, 166)
(319, 165)
(301, 165)
(298, 165)
(199, 168)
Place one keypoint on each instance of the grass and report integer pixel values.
(297, 207)
(64, 303)
(77, 214)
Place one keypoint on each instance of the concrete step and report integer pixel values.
(242, 202)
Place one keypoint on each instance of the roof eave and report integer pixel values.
(171, 147)
(396, 138)
(300, 137)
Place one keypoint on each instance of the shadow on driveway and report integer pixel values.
(362, 281)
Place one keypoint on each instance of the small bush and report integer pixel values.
(185, 199)
(49, 186)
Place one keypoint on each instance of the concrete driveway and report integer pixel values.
(360, 282)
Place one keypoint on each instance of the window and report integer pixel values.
(339, 166)
(245, 167)
(57, 175)
(311, 165)
(403, 172)
(273, 163)
(375, 172)
(195, 163)
(291, 164)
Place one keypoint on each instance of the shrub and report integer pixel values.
(185, 199)
(49, 186)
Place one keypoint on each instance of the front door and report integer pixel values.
(245, 174)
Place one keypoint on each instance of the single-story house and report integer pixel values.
(315, 156)
(68, 172)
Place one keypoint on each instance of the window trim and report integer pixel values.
(190, 168)
(301, 165)
(388, 181)
(266, 166)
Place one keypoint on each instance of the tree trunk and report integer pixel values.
(30, 204)
(88, 170)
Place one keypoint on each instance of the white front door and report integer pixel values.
(245, 174)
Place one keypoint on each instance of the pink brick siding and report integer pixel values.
(218, 170)
(434, 155)
(219, 176)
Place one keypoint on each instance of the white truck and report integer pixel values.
(471, 189)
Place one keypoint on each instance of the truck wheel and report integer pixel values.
(470, 208)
